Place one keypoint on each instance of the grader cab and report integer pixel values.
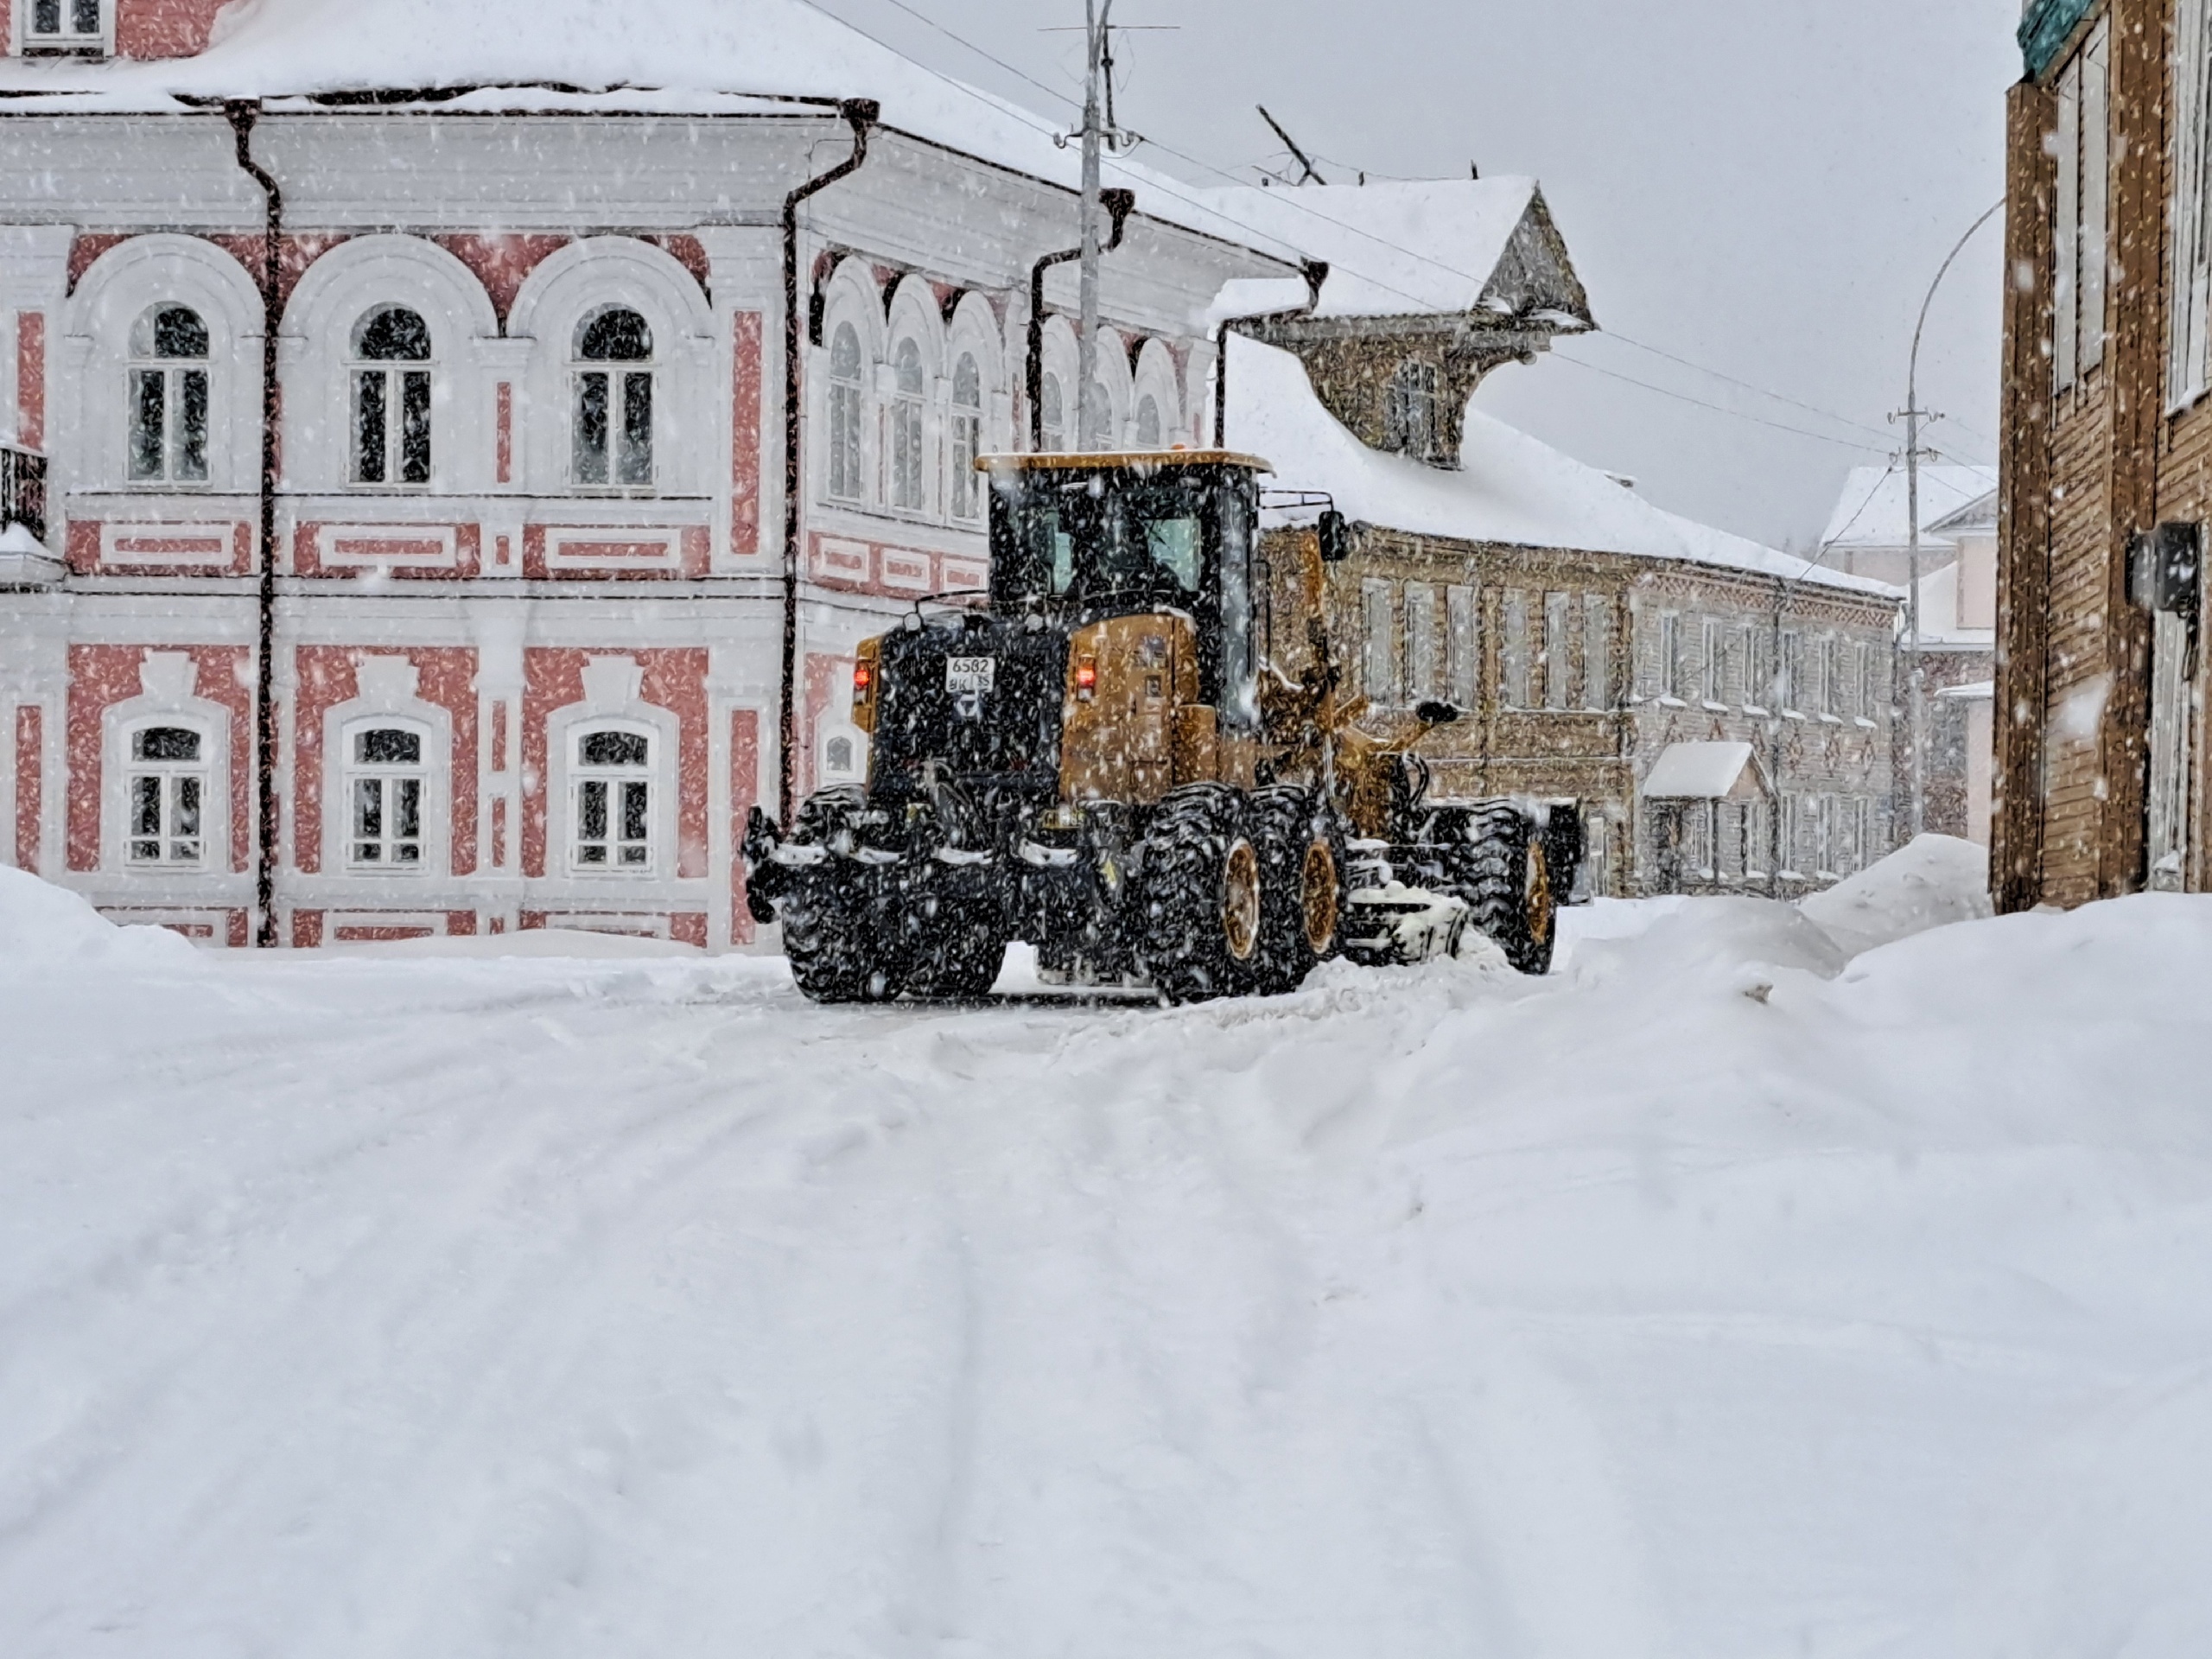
(1137, 755)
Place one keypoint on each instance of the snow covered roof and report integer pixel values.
(1705, 771)
(1444, 247)
(25, 560)
(1874, 509)
(1509, 489)
(672, 56)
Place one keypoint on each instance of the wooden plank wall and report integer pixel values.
(2135, 359)
(2023, 505)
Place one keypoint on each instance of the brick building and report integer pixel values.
(1720, 711)
(504, 635)
(2100, 738)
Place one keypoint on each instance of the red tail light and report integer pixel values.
(1086, 679)
(863, 681)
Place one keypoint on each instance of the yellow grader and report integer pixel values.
(1139, 755)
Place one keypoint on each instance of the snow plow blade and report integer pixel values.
(1402, 926)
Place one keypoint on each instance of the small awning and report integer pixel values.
(1707, 772)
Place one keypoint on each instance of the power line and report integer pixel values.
(1288, 197)
(1721, 408)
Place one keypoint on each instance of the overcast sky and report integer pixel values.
(1762, 188)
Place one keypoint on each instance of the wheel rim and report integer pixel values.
(1318, 897)
(1539, 896)
(1240, 901)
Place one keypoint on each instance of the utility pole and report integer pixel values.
(1095, 15)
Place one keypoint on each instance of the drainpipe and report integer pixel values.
(1316, 273)
(242, 114)
(861, 114)
(1119, 203)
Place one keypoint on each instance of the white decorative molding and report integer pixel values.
(384, 682)
(582, 548)
(611, 684)
(168, 546)
(387, 547)
(168, 677)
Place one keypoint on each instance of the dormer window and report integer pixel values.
(72, 26)
(1409, 411)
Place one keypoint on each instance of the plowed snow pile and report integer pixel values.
(1717, 1297)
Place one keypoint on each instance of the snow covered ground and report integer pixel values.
(1718, 1296)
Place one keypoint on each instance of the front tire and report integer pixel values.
(1201, 907)
(1302, 886)
(835, 943)
(1503, 874)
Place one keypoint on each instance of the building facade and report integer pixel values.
(2099, 734)
(1720, 713)
(419, 486)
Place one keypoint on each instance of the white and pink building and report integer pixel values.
(474, 587)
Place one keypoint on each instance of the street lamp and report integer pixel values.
(1913, 417)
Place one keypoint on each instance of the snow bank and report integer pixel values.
(43, 927)
(1931, 882)
(1696, 1300)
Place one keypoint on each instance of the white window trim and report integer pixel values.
(166, 700)
(618, 375)
(2189, 318)
(385, 696)
(352, 771)
(581, 774)
(627, 712)
(100, 43)
(169, 772)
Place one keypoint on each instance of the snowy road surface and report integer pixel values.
(1701, 1301)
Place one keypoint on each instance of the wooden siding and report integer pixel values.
(2024, 508)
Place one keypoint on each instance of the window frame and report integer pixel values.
(624, 377)
(354, 771)
(67, 42)
(583, 775)
(167, 774)
(396, 378)
(845, 468)
(966, 440)
(1411, 400)
(176, 374)
(906, 429)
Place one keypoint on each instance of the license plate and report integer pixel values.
(969, 674)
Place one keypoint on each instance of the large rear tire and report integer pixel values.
(1200, 907)
(1503, 874)
(1301, 886)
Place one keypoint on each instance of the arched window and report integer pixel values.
(167, 786)
(613, 438)
(1409, 411)
(613, 800)
(845, 413)
(385, 768)
(1147, 422)
(967, 437)
(391, 403)
(1051, 416)
(169, 397)
(906, 476)
(1099, 418)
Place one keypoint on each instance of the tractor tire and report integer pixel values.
(951, 950)
(1501, 872)
(1302, 886)
(836, 940)
(1199, 909)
